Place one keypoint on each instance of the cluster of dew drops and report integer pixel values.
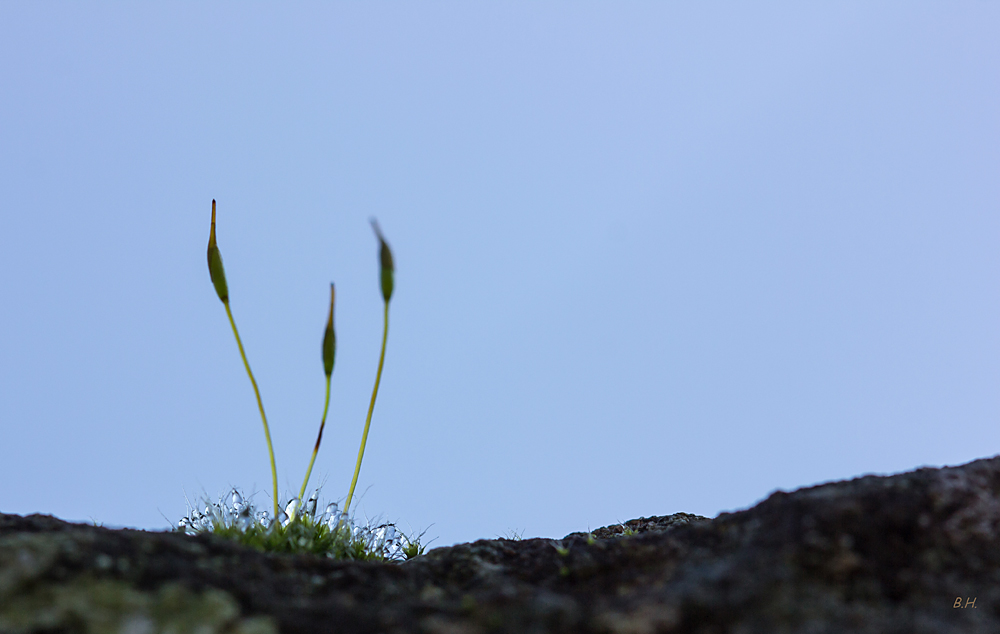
(233, 511)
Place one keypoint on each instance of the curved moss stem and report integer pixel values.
(319, 438)
(371, 408)
(260, 406)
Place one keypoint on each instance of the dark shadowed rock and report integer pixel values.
(914, 553)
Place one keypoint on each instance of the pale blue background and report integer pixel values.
(651, 257)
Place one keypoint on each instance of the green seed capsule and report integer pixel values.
(329, 340)
(215, 269)
(385, 260)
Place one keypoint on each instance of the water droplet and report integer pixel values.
(283, 518)
(196, 519)
(344, 522)
(310, 507)
(292, 507)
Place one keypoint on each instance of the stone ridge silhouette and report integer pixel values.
(916, 552)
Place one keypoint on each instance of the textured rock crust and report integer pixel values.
(905, 553)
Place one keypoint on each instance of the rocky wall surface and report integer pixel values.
(911, 553)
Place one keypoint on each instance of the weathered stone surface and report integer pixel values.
(871, 555)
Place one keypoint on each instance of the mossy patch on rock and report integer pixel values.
(104, 606)
(52, 581)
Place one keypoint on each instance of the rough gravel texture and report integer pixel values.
(872, 555)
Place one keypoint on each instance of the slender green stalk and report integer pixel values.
(218, 275)
(319, 438)
(329, 351)
(387, 270)
(260, 406)
(371, 408)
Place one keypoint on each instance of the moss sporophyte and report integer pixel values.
(297, 528)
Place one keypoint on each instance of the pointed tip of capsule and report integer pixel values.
(211, 232)
(329, 341)
(215, 268)
(385, 254)
(385, 260)
(329, 321)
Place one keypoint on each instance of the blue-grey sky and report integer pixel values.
(651, 257)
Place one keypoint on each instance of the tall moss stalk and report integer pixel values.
(387, 271)
(329, 352)
(218, 275)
